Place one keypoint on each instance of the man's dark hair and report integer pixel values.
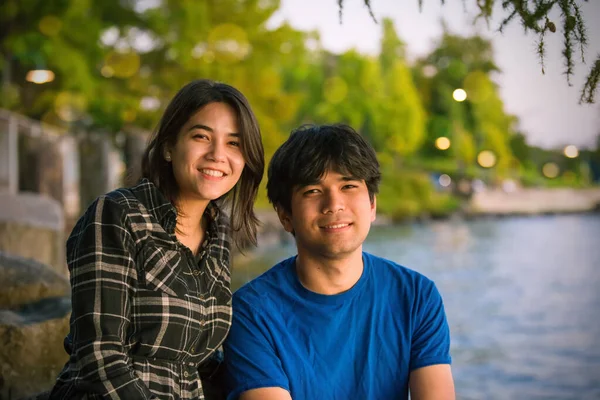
(311, 151)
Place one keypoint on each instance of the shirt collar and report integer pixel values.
(156, 203)
(165, 212)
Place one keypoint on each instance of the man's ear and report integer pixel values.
(374, 208)
(285, 218)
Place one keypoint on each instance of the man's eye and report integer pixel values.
(311, 191)
(349, 186)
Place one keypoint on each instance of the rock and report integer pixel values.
(34, 319)
(32, 226)
(26, 281)
(31, 350)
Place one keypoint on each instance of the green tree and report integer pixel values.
(375, 95)
(478, 123)
(61, 36)
(400, 119)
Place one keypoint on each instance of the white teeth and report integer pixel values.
(212, 172)
(336, 226)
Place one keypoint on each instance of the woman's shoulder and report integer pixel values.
(117, 201)
(142, 198)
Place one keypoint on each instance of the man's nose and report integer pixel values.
(333, 202)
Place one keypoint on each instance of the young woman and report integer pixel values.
(149, 264)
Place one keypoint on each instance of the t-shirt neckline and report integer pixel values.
(309, 295)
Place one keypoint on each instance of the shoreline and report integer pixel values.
(534, 202)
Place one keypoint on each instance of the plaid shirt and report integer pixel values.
(146, 312)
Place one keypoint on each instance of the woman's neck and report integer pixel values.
(191, 226)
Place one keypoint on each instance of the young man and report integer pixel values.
(335, 322)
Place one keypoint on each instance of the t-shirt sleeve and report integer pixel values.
(251, 359)
(431, 334)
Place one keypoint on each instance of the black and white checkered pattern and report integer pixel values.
(146, 312)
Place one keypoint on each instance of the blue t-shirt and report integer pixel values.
(360, 344)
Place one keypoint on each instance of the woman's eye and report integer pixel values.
(237, 144)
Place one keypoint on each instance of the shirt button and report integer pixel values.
(202, 322)
(186, 374)
(196, 272)
(193, 350)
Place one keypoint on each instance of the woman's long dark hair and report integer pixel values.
(191, 98)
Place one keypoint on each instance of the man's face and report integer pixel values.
(330, 219)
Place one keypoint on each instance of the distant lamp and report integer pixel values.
(442, 143)
(571, 151)
(486, 159)
(445, 180)
(550, 170)
(39, 76)
(459, 95)
(429, 71)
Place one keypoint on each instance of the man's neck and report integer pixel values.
(329, 275)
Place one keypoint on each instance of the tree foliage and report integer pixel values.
(117, 65)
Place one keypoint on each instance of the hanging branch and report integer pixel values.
(541, 49)
(581, 31)
(368, 4)
(589, 89)
(568, 29)
(574, 30)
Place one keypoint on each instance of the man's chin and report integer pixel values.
(338, 252)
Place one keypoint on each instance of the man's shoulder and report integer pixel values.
(386, 269)
(266, 285)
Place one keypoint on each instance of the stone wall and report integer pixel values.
(32, 226)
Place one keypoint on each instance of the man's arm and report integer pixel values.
(271, 393)
(253, 369)
(430, 383)
(431, 377)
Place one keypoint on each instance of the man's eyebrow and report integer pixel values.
(350, 178)
(301, 186)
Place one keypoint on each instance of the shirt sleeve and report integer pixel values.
(251, 359)
(103, 277)
(431, 334)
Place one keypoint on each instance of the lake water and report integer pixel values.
(522, 296)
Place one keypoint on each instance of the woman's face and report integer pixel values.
(207, 159)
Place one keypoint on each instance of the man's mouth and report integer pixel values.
(340, 225)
